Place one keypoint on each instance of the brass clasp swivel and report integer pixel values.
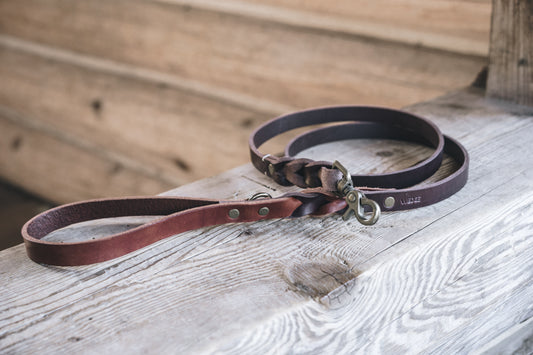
(356, 199)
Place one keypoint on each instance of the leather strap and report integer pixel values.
(321, 179)
(398, 187)
(368, 122)
(399, 198)
(180, 215)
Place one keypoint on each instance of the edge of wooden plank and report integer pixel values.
(339, 25)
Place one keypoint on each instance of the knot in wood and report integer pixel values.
(318, 279)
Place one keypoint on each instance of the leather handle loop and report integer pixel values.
(182, 214)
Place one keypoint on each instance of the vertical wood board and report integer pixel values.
(510, 74)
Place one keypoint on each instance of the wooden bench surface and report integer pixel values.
(453, 277)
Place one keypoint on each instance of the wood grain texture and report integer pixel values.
(266, 61)
(160, 128)
(34, 156)
(455, 26)
(426, 299)
(511, 52)
(453, 277)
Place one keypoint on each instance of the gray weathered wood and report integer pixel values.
(510, 74)
(453, 277)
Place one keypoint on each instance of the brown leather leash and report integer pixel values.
(328, 187)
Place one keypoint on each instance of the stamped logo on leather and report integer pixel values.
(411, 200)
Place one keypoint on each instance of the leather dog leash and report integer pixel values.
(391, 191)
(329, 187)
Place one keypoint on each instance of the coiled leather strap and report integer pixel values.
(392, 191)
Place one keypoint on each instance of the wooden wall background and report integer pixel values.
(111, 97)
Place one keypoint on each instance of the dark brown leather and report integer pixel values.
(408, 197)
(368, 122)
(321, 197)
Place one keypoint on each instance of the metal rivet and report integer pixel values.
(389, 202)
(263, 211)
(271, 169)
(233, 213)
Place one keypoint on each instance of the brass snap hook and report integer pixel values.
(344, 185)
(356, 199)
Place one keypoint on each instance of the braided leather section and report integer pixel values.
(305, 173)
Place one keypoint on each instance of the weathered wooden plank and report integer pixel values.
(161, 127)
(511, 329)
(457, 26)
(516, 340)
(285, 65)
(449, 276)
(510, 74)
(34, 156)
(435, 292)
